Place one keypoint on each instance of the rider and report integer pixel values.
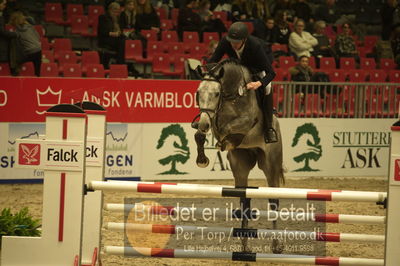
(251, 52)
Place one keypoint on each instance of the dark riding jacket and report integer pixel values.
(254, 57)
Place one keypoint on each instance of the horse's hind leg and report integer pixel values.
(241, 162)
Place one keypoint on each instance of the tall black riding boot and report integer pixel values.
(270, 135)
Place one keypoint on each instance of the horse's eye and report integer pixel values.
(217, 94)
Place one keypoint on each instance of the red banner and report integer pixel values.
(133, 101)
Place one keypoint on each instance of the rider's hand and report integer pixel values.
(253, 85)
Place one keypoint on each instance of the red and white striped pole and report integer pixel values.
(274, 193)
(269, 215)
(231, 232)
(240, 256)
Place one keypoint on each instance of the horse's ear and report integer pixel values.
(199, 72)
(220, 73)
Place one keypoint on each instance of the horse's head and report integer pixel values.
(208, 98)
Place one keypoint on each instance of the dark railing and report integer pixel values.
(336, 100)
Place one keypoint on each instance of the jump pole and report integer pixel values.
(392, 257)
(273, 193)
(232, 232)
(62, 157)
(255, 214)
(240, 256)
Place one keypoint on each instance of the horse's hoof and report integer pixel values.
(277, 246)
(202, 163)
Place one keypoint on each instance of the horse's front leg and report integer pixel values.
(201, 160)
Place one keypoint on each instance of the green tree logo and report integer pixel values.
(181, 152)
(307, 134)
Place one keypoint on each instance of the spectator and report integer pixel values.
(302, 71)
(221, 5)
(323, 48)
(209, 22)
(302, 10)
(301, 42)
(395, 42)
(146, 17)
(283, 26)
(127, 23)
(127, 19)
(390, 17)
(327, 12)
(345, 45)
(5, 37)
(261, 10)
(242, 10)
(212, 45)
(266, 31)
(188, 20)
(28, 41)
(110, 36)
(284, 6)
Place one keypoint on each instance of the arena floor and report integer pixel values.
(17, 196)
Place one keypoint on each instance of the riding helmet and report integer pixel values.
(237, 32)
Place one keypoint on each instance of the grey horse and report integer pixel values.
(234, 116)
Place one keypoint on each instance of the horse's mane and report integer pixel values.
(234, 74)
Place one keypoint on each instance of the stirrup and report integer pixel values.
(270, 136)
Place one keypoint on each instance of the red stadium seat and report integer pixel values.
(4, 69)
(89, 57)
(62, 44)
(169, 36)
(53, 12)
(166, 24)
(337, 75)
(27, 70)
(47, 57)
(151, 35)
(377, 76)
(209, 36)
(72, 70)
(197, 50)
(94, 11)
(394, 76)
(327, 63)
(118, 71)
(73, 10)
(286, 62)
(357, 75)
(367, 63)
(80, 25)
(175, 48)
(387, 64)
(133, 50)
(347, 63)
(49, 70)
(222, 15)
(162, 13)
(190, 37)
(95, 71)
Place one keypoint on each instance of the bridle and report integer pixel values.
(221, 98)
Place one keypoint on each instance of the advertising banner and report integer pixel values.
(149, 136)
